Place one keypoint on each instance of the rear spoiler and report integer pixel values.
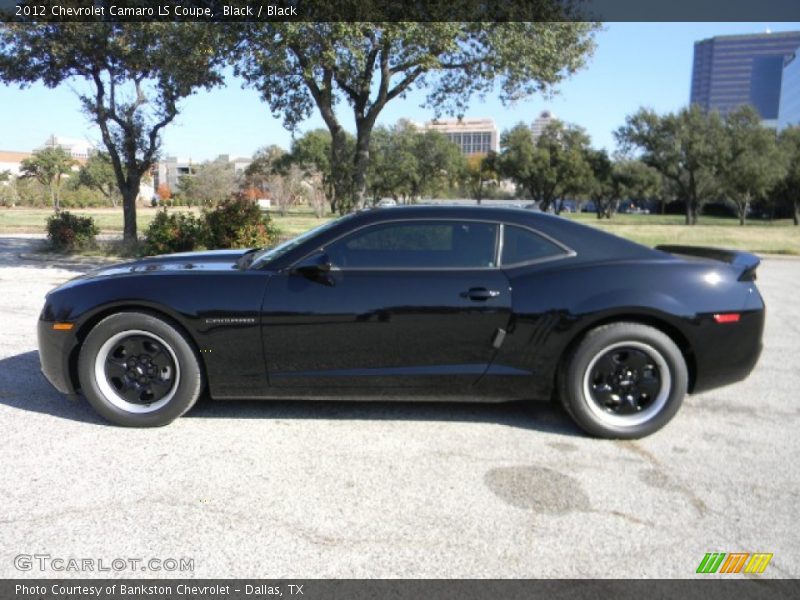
(747, 262)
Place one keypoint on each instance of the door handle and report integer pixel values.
(480, 294)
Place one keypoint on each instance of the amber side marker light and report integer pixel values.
(727, 318)
(63, 326)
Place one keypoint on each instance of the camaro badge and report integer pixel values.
(231, 321)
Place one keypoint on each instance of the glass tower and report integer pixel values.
(789, 113)
(733, 70)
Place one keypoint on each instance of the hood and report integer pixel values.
(209, 260)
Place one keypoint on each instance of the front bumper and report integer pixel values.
(56, 350)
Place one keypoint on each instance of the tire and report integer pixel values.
(623, 381)
(138, 370)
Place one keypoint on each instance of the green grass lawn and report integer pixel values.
(777, 237)
(33, 220)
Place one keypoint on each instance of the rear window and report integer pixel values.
(522, 245)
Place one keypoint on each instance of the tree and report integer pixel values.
(163, 192)
(48, 166)
(394, 166)
(98, 174)
(289, 188)
(312, 153)
(789, 186)
(406, 163)
(602, 188)
(550, 169)
(211, 183)
(8, 189)
(298, 66)
(635, 180)
(267, 161)
(683, 147)
(440, 163)
(137, 73)
(750, 164)
(617, 179)
(480, 172)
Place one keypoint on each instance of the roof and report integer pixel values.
(590, 243)
(12, 156)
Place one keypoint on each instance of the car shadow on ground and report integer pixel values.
(34, 251)
(23, 387)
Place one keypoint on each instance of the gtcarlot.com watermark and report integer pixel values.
(47, 562)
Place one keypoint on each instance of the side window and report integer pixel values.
(420, 244)
(523, 245)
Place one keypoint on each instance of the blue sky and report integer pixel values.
(635, 64)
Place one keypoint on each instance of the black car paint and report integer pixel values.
(273, 331)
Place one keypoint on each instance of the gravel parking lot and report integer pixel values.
(280, 489)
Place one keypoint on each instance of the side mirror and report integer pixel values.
(318, 263)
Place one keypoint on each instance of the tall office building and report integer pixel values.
(540, 124)
(472, 136)
(732, 70)
(789, 111)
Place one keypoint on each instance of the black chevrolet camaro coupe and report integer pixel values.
(413, 303)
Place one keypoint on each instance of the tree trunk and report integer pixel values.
(129, 194)
(360, 164)
(339, 170)
(691, 212)
(796, 212)
(743, 207)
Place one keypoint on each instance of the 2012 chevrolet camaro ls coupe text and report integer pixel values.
(425, 303)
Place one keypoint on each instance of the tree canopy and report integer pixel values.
(301, 66)
(789, 185)
(551, 168)
(131, 79)
(98, 174)
(48, 166)
(407, 163)
(683, 147)
(750, 163)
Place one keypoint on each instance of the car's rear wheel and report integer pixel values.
(624, 381)
(138, 370)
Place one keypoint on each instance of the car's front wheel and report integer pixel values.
(138, 370)
(624, 381)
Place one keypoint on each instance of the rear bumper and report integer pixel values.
(726, 353)
(55, 351)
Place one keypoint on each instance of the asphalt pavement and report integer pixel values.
(283, 489)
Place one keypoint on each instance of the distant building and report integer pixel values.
(80, 150)
(12, 161)
(472, 136)
(733, 70)
(540, 124)
(170, 170)
(789, 111)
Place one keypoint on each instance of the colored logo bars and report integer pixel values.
(734, 562)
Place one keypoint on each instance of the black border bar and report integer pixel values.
(401, 10)
(398, 589)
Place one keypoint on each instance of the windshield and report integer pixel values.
(266, 255)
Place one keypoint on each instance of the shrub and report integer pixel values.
(67, 232)
(238, 223)
(172, 232)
